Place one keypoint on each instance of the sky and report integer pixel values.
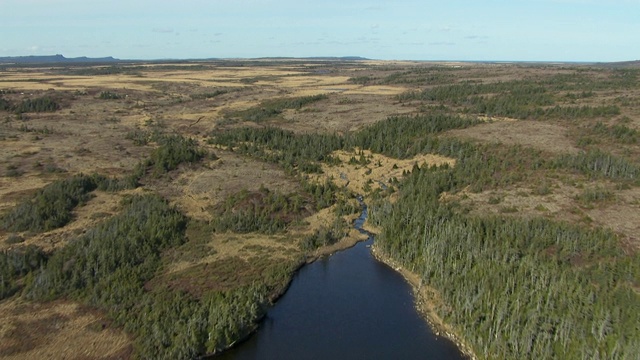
(481, 30)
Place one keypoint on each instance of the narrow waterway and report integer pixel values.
(346, 306)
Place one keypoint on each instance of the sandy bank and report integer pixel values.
(425, 298)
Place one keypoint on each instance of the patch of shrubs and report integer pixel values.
(108, 95)
(39, 104)
(51, 207)
(15, 264)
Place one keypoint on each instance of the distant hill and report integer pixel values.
(324, 58)
(60, 59)
(623, 64)
(53, 59)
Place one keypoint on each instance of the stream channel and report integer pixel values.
(346, 306)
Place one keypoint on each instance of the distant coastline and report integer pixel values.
(49, 59)
(61, 59)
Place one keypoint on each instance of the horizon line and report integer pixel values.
(345, 57)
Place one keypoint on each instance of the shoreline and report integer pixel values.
(347, 242)
(423, 297)
(352, 239)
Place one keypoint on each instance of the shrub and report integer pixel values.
(41, 104)
(15, 264)
(173, 151)
(108, 95)
(14, 239)
(51, 207)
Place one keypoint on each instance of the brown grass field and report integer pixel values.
(89, 134)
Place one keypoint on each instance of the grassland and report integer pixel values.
(256, 165)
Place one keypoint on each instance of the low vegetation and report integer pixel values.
(262, 211)
(29, 105)
(267, 110)
(325, 236)
(15, 264)
(271, 144)
(51, 207)
(109, 95)
(173, 151)
(40, 104)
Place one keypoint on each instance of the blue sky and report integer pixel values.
(515, 30)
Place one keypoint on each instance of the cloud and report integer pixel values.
(367, 39)
(163, 30)
(442, 43)
(40, 49)
(476, 37)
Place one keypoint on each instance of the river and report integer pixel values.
(346, 306)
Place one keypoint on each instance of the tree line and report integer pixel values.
(520, 99)
(270, 109)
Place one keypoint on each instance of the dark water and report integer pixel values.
(347, 306)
